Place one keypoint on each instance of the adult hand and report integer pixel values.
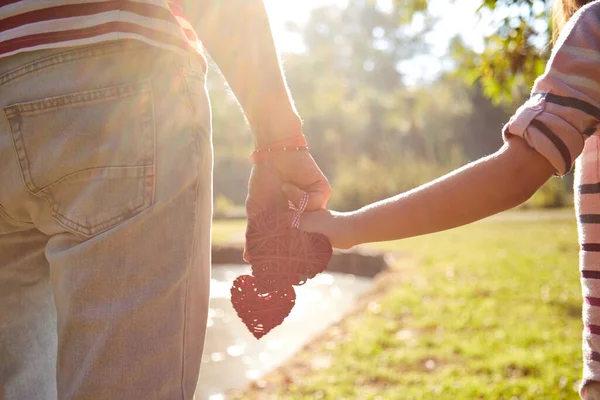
(283, 177)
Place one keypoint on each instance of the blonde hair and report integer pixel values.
(562, 11)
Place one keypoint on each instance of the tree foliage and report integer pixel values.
(516, 48)
(373, 134)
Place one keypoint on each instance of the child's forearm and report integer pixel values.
(483, 188)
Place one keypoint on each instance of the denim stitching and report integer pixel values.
(189, 101)
(187, 284)
(149, 118)
(15, 112)
(93, 229)
(105, 94)
(198, 127)
(146, 189)
(12, 220)
(102, 49)
(19, 145)
(193, 113)
(89, 230)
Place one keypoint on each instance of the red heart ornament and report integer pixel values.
(261, 308)
(281, 255)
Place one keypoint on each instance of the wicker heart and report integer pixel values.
(259, 307)
(281, 255)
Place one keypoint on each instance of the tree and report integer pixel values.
(371, 133)
(515, 52)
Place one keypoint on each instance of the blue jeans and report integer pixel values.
(105, 218)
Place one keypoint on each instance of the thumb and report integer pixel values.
(316, 199)
(292, 192)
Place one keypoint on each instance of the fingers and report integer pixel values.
(293, 193)
(318, 195)
(316, 201)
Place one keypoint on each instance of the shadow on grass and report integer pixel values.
(570, 309)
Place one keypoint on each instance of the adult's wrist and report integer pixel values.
(276, 129)
(290, 144)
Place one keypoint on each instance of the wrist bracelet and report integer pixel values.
(295, 143)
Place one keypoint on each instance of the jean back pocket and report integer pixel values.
(89, 154)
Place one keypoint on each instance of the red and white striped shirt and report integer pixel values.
(27, 25)
(562, 122)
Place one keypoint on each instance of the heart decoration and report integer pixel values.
(260, 308)
(281, 256)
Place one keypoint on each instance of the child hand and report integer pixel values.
(338, 227)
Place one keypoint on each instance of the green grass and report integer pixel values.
(228, 231)
(488, 311)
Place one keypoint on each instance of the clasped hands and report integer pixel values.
(287, 176)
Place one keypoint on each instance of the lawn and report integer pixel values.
(228, 231)
(490, 311)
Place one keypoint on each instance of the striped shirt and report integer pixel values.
(27, 25)
(561, 121)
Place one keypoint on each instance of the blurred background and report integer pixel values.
(393, 93)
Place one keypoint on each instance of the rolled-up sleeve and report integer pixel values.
(564, 107)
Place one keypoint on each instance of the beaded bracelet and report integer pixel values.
(296, 143)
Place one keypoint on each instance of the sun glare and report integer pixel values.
(421, 68)
(295, 11)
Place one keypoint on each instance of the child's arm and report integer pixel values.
(483, 188)
(562, 113)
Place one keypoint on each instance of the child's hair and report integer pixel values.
(562, 11)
